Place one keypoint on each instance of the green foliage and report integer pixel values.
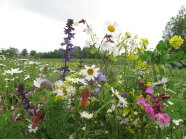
(24, 52)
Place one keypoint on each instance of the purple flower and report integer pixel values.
(45, 84)
(95, 92)
(69, 46)
(101, 77)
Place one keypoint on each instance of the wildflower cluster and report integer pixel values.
(176, 41)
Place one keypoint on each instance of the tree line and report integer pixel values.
(14, 52)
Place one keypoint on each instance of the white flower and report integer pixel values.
(86, 115)
(1, 65)
(37, 82)
(27, 77)
(30, 129)
(135, 113)
(122, 101)
(177, 122)
(111, 48)
(13, 71)
(163, 81)
(111, 27)
(75, 23)
(90, 72)
(169, 102)
(88, 30)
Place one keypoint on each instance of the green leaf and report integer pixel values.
(161, 46)
(183, 62)
(169, 66)
(178, 64)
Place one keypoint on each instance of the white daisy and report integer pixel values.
(122, 101)
(163, 81)
(86, 115)
(111, 27)
(27, 77)
(13, 71)
(90, 72)
(30, 129)
(37, 82)
(177, 122)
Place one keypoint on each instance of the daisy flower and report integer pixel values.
(30, 129)
(90, 72)
(111, 27)
(86, 115)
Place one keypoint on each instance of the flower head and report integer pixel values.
(30, 129)
(176, 41)
(111, 27)
(90, 72)
(86, 115)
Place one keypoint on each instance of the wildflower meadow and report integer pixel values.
(128, 91)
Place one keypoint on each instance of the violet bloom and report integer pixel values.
(101, 77)
(45, 84)
(95, 91)
(69, 46)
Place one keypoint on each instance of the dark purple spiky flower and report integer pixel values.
(69, 46)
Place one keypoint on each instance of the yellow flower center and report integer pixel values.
(111, 28)
(90, 71)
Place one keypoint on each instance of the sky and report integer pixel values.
(38, 24)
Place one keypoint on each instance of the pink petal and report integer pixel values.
(149, 90)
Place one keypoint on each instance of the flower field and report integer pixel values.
(129, 91)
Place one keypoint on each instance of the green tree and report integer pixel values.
(33, 53)
(11, 52)
(24, 52)
(176, 26)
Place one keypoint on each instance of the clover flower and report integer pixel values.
(176, 41)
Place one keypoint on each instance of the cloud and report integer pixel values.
(59, 9)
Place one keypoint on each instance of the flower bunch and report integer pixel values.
(176, 41)
(155, 108)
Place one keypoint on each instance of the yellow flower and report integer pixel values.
(58, 97)
(133, 56)
(127, 34)
(176, 42)
(144, 42)
(142, 64)
(148, 84)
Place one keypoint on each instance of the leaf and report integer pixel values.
(169, 66)
(183, 62)
(161, 46)
(178, 64)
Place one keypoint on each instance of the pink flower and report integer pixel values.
(149, 110)
(149, 90)
(163, 118)
(141, 101)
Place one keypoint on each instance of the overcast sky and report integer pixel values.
(38, 24)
